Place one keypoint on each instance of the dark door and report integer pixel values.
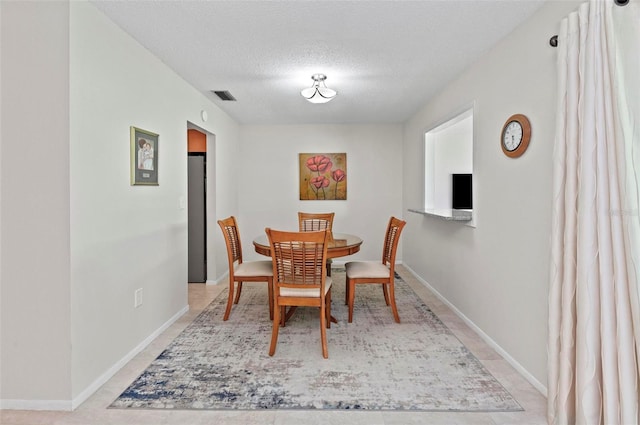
(197, 226)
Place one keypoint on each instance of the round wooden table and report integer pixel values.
(342, 245)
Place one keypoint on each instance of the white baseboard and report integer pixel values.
(65, 405)
(486, 338)
(68, 405)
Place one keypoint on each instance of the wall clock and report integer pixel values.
(515, 135)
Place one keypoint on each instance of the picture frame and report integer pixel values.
(144, 157)
(323, 176)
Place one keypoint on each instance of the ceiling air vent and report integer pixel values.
(224, 95)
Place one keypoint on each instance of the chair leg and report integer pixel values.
(346, 292)
(238, 293)
(352, 295)
(229, 301)
(323, 331)
(274, 332)
(386, 293)
(392, 296)
(270, 292)
(328, 306)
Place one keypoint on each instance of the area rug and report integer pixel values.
(374, 363)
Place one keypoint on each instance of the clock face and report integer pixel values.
(512, 136)
(515, 136)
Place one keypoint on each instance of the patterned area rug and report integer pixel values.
(374, 363)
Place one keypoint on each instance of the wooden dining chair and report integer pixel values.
(300, 278)
(243, 271)
(310, 222)
(377, 272)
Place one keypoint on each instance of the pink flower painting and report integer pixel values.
(323, 176)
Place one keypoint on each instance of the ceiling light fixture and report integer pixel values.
(318, 92)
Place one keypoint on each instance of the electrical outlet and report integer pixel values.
(137, 298)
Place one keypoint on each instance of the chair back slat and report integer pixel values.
(312, 225)
(312, 222)
(231, 234)
(391, 240)
(299, 258)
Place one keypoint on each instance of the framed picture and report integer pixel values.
(323, 176)
(144, 157)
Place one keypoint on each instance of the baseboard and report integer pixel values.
(486, 338)
(63, 405)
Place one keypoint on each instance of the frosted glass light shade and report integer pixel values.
(318, 92)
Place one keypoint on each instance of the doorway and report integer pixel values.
(197, 206)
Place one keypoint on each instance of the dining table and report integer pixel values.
(339, 245)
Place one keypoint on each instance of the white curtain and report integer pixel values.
(594, 305)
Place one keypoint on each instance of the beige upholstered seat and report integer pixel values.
(306, 292)
(300, 278)
(239, 271)
(377, 272)
(364, 269)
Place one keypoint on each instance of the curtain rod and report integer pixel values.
(553, 41)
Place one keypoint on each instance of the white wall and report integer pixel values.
(269, 193)
(496, 274)
(127, 237)
(77, 239)
(34, 279)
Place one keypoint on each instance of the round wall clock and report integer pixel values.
(515, 135)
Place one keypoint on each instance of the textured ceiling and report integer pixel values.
(385, 58)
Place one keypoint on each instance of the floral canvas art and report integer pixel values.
(323, 176)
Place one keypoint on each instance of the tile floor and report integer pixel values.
(94, 411)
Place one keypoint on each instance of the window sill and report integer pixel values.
(444, 214)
